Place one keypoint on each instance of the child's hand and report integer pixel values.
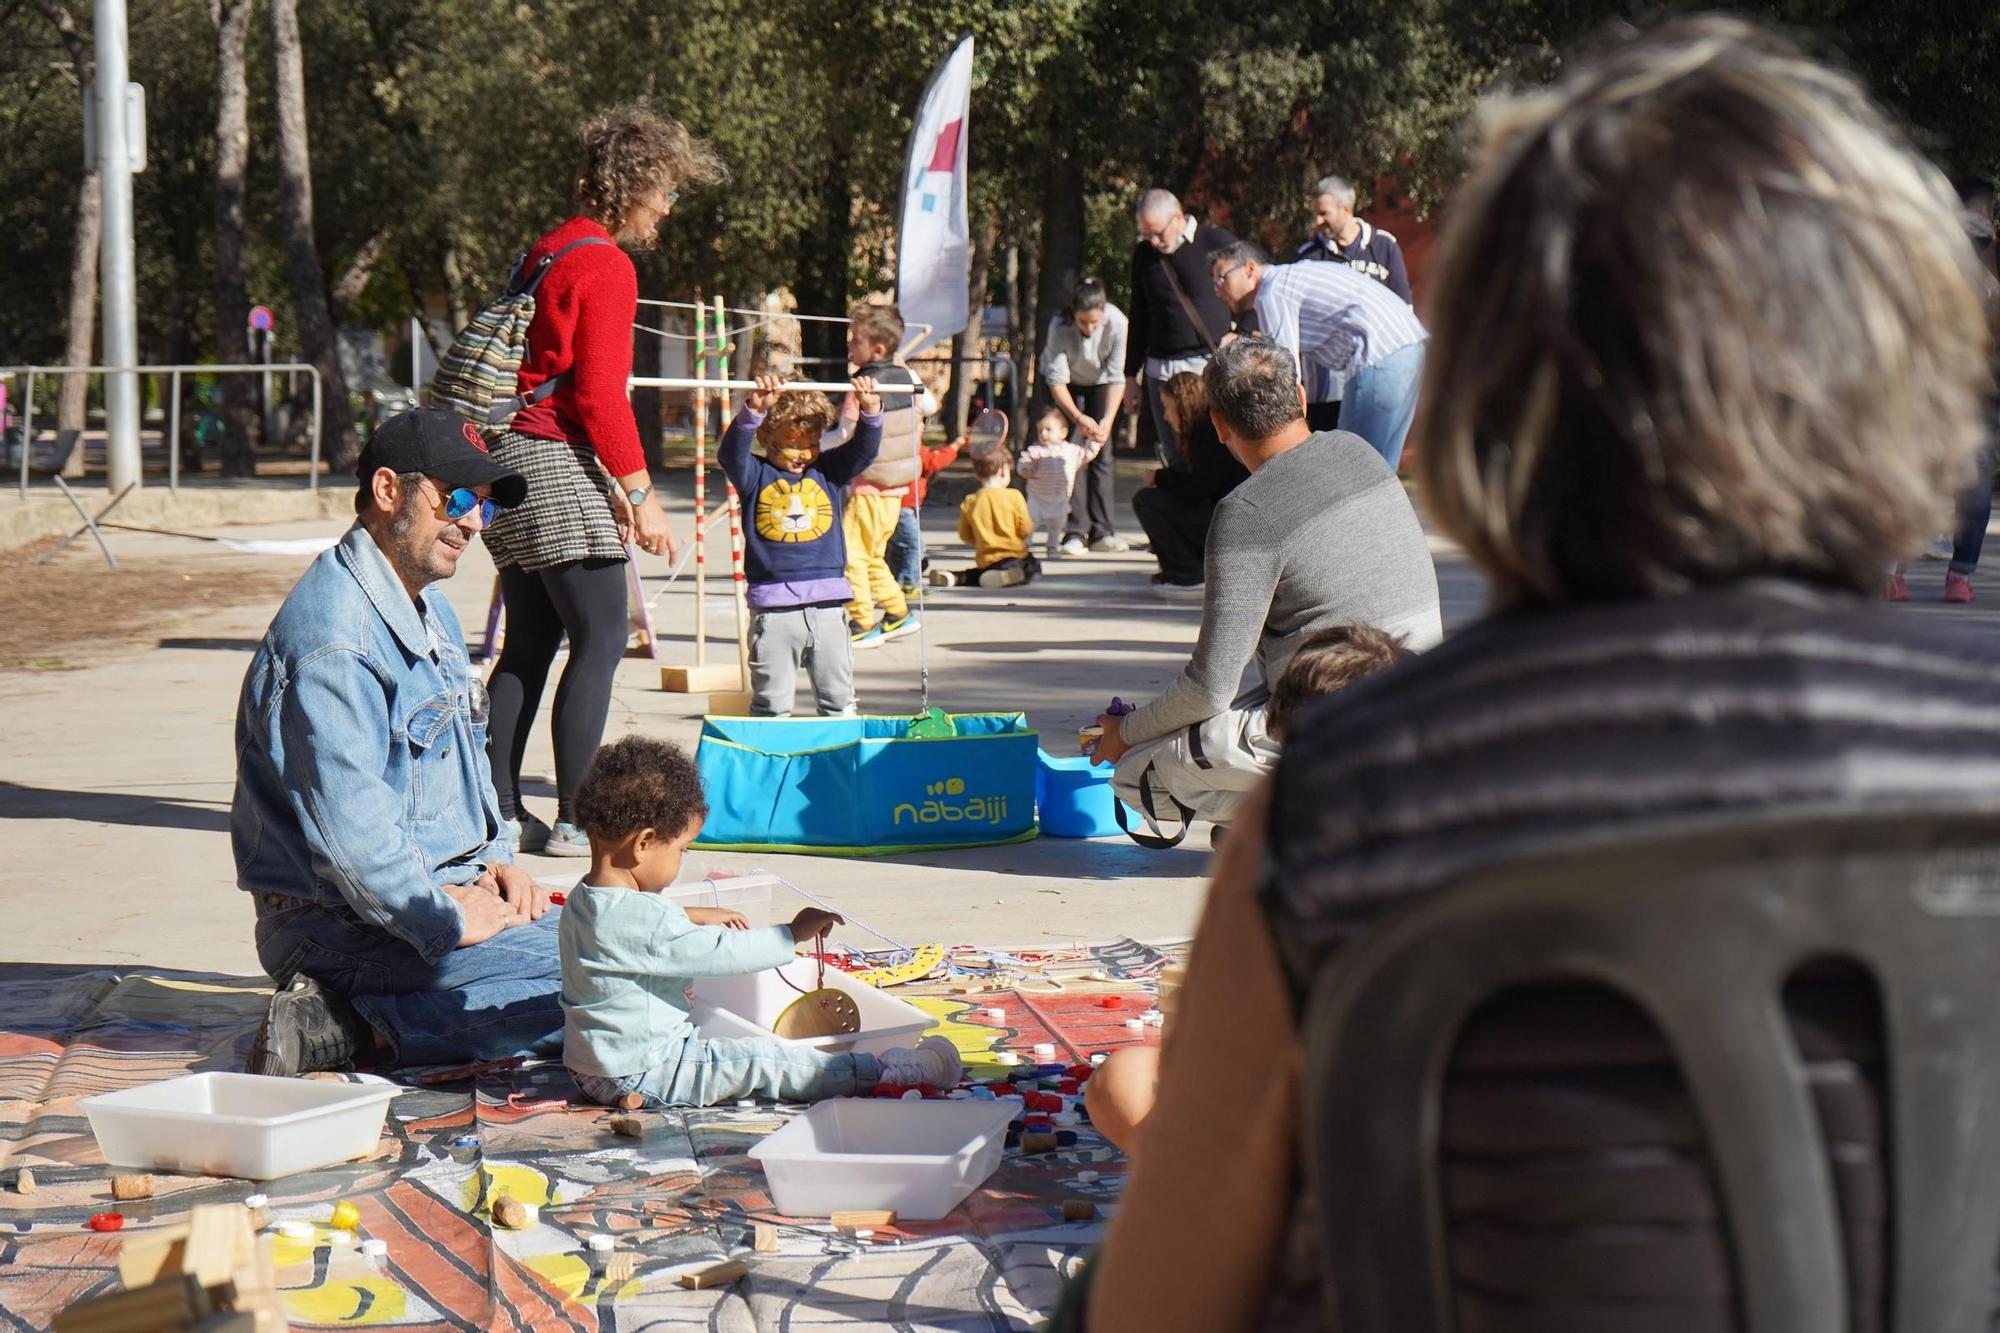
(765, 394)
(811, 923)
(718, 916)
(865, 395)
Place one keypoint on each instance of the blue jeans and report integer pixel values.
(490, 1001)
(1381, 401)
(906, 548)
(707, 1073)
(1975, 511)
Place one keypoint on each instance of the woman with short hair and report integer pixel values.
(1083, 360)
(561, 554)
(1732, 369)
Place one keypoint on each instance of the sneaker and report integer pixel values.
(1073, 546)
(1958, 589)
(1169, 591)
(933, 1064)
(899, 626)
(868, 638)
(1896, 589)
(1111, 541)
(566, 839)
(938, 578)
(530, 834)
(306, 1030)
(1003, 578)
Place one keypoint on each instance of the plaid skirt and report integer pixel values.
(567, 515)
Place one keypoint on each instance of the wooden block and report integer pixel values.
(509, 1212)
(721, 1275)
(729, 703)
(632, 1101)
(24, 1181)
(864, 1217)
(171, 1303)
(619, 1268)
(127, 1188)
(629, 1125)
(219, 1242)
(1038, 1143)
(151, 1255)
(1078, 1210)
(709, 678)
(764, 1238)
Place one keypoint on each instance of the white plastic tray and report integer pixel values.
(239, 1124)
(919, 1158)
(746, 1006)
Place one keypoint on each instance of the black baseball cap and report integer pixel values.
(443, 445)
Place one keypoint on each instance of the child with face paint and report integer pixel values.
(794, 555)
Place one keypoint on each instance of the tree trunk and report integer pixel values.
(1031, 350)
(958, 398)
(1062, 232)
(360, 269)
(73, 394)
(1017, 388)
(241, 427)
(317, 339)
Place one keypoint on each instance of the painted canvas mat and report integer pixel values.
(681, 1197)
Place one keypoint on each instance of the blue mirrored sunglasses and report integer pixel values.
(462, 501)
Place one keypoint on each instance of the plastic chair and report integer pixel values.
(1701, 928)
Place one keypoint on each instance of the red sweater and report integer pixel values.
(583, 322)
(933, 460)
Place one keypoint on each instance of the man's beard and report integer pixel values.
(407, 561)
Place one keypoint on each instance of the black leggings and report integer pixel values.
(584, 599)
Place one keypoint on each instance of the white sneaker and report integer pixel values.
(1074, 546)
(938, 578)
(933, 1064)
(1111, 542)
(1002, 578)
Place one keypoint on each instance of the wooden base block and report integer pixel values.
(864, 1217)
(709, 678)
(729, 703)
(764, 1238)
(719, 1276)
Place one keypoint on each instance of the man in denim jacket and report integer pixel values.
(365, 825)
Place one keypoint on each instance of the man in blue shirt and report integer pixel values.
(365, 826)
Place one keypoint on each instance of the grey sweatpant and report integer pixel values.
(784, 638)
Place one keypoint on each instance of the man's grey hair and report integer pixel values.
(1157, 203)
(1237, 252)
(1253, 385)
(1339, 187)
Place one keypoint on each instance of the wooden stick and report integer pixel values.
(864, 1217)
(721, 1275)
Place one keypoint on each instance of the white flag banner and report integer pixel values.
(934, 245)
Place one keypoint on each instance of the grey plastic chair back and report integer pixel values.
(1701, 927)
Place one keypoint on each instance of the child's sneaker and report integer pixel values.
(1111, 541)
(896, 627)
(1074, 546)
(1958, 589)
(865, 638)
(529, 833)
(1002, 578)
(939, 578)
(933, 1064)
(566, 839)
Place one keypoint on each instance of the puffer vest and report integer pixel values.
(899, 462)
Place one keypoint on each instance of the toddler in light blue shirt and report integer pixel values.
(628, 955)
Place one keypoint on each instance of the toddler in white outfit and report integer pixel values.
(1049, 466)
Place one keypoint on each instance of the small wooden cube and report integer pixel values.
(864, 1217)
(620, 1267)
(764, 1238)
(721, 1275)
(127, 1188)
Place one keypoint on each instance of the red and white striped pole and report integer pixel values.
(738, 582)
(700, 481)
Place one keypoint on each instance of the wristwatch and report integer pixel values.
(637, 496)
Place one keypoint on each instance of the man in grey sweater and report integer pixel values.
(1321, 534)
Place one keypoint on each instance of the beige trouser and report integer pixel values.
(867, 524)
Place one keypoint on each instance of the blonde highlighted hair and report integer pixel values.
(632, 150)
(1735, 330)
(797, 411)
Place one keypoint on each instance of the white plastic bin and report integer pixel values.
(746, 1006)
(920, 1159)
(239, 1124)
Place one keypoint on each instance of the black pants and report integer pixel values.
(584, 599)
(1323, 416)
(1030, 569)
(1178, 529)
(1091, 498)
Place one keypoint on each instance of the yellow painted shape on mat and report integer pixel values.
(926, 961)
(571, 1274)
(340, 1301)
(520, 1182)
(975, 1043)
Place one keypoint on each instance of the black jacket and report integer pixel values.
(1160, 325)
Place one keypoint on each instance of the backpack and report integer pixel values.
(478, 374)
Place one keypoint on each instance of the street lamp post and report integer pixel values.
(115, 166)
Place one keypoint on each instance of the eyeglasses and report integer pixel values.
(1224, 274)
(457, 503)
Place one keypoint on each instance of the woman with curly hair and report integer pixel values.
(562, 553)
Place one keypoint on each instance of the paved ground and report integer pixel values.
(116, 763)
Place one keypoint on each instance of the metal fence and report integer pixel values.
(173, 432)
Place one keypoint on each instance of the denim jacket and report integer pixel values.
(361, 772)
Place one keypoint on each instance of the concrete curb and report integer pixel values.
(46, 514)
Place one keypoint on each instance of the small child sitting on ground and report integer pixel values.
(1120, 1094)
(794, 550)
(1050, 466)
(628, 956)
(994, 521)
